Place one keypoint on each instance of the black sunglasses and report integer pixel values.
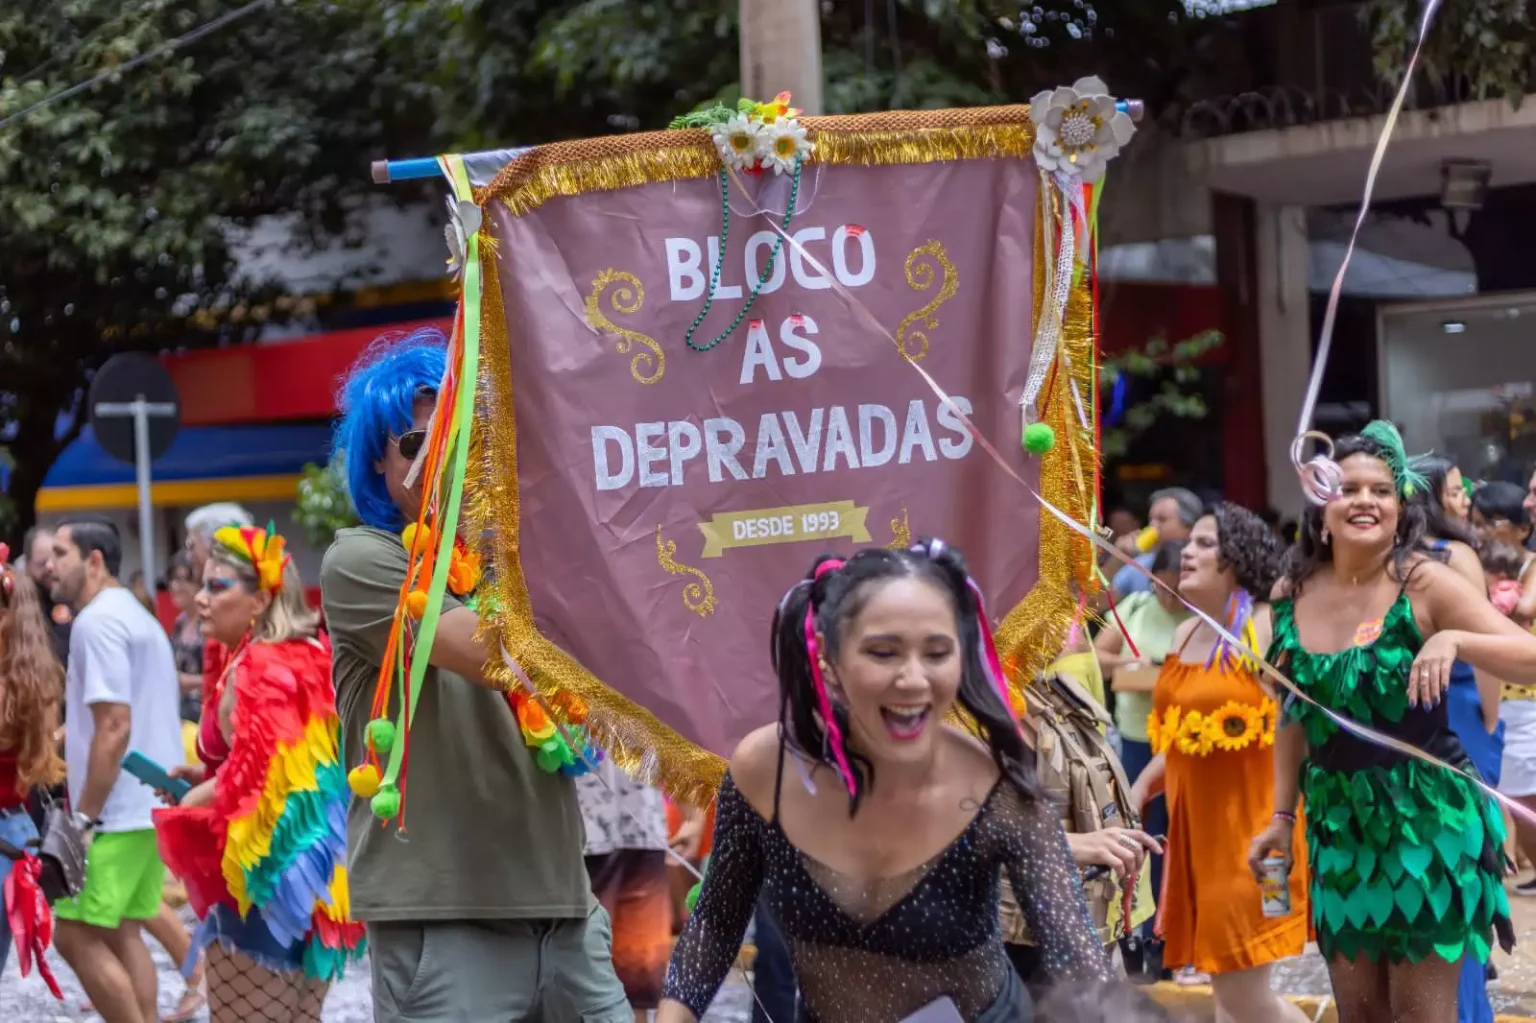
(410, 443)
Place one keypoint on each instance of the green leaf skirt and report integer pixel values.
(1407, 862)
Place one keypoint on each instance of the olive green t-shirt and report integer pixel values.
(488, 834)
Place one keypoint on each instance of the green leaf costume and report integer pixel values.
(1406, 857)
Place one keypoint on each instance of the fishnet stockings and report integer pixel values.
(240, 991)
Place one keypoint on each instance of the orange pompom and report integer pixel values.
(416, 603)
(463, 574)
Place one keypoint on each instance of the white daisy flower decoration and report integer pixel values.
(738, 141)
(1078, 130)
(784, 142)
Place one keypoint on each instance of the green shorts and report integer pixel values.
(124, 879)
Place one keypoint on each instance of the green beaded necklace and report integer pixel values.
(714, 276)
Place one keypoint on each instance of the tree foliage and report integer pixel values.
(1476, 49)
(323, 505)
(117, 204)
(1171, 369)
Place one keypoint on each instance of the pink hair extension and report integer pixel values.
(823, 702)
(989, 656)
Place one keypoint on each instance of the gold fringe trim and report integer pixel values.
(623, 161)
(1031, 635)
(632, 736)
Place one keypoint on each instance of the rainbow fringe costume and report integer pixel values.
(265, 863)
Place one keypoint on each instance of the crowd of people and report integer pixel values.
(863, 840)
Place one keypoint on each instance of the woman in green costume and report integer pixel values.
(1406, 857)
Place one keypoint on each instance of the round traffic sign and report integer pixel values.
(124, 378)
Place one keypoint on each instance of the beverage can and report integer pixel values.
(1275, 886)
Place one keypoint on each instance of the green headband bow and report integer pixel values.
(1385, 434)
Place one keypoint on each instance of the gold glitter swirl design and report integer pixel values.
(698, 596)
(627, 299)
(901, 532)
(920, 264)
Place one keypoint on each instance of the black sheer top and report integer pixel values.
(877, 951)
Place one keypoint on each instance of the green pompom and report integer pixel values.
(1039, 438)
(381, 735)
(387, 803)
(693, 896)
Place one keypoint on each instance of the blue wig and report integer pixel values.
(378, 403)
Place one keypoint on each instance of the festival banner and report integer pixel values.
(696, 379)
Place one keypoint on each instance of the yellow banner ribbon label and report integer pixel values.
(837, 519)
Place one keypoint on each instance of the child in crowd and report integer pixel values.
(1502, 565)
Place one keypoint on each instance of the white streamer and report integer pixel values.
(1313, 473)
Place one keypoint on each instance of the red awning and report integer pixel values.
(263, 383)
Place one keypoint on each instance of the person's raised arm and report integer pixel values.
(360, 582)
(1109, 648)
(1049, 888)
(711, 939)
(1465, 626)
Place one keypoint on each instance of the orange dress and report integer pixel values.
(1216, 727)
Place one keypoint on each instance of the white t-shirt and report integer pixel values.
(118, 653)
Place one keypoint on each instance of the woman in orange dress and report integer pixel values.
(1212, 728)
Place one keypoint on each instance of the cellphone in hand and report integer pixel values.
(155, 776)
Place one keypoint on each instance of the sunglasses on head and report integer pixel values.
(410, 443)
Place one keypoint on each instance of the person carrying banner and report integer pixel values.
(876, 832)
(486, 912)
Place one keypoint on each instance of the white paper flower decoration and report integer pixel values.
(782, 143)
(1077, 129)
(464, 219)
(740, 141)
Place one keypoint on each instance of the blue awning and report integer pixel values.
(203, 463)
(200, 452)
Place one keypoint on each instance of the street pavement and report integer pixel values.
(350, 1001)
(1304, 979)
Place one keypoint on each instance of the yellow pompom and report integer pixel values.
(409, 537)
(416, 603)
(363, 780)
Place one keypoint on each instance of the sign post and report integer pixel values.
(135, 412)
(140, 412)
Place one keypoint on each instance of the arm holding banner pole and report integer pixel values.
(387, 172)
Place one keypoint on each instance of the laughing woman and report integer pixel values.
(876, 832)
(1406, 857)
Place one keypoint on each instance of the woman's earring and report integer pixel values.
(1326, 538)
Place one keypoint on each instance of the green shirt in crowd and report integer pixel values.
(1151, 626)
(489, 835)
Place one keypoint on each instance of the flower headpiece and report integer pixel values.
(1409, 480)
(263, 550)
